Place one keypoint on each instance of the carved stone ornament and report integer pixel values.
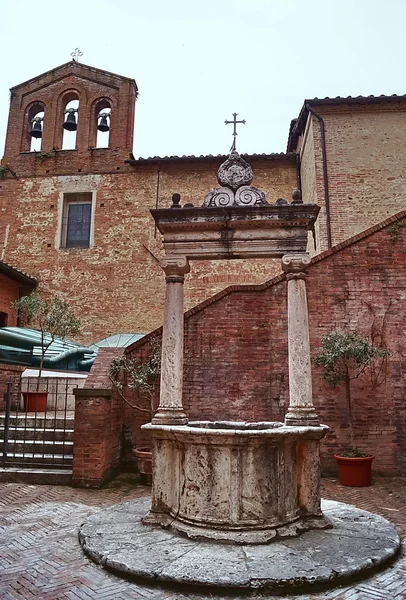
(295, 263)
(234, 175)
(219, 197)
(175, 266)
(248, 195)
(235, 172)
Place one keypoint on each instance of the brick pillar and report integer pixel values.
(97, 436)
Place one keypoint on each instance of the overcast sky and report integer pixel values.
(196, 63)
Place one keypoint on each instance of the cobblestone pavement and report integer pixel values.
(40, 557)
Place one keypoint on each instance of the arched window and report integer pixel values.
(102, 113)
(32, 137)
(70, 123)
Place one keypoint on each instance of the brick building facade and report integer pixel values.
(78, 219)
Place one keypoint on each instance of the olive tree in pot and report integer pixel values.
(53, 317)
(345, 357)
(142, 377)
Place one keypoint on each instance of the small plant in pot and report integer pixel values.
(141, 377)
(345, 357)
(54, 318)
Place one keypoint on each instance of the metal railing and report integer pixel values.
(38, 423)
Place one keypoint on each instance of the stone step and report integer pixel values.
(40, 446)
(35, 476)
(29, 458)
(33, 433)
(38, 421)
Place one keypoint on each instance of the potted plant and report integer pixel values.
(140, 376)
(53, 317)
(345, 357)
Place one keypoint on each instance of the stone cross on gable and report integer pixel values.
(234, 122)
(76, 55)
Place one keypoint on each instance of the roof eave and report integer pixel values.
(290, 156)
(73, 62)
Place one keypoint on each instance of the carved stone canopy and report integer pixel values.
(235, 220)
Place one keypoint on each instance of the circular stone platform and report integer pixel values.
(358, 543)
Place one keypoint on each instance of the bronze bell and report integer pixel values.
(36, 129)
(103, 126)
(70, 123)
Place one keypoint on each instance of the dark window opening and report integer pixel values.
(76, 220)
(3, 319)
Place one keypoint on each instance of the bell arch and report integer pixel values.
(67, 114)
(100, 126)
(33, 127)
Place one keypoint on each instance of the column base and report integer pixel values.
(302, 418)
(166, 416)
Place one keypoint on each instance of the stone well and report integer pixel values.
(242, 488)
(236, 482)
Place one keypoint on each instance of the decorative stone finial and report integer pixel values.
(176, 201)
(297, 196)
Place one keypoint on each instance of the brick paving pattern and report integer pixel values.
(40, 557)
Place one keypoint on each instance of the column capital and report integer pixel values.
(175, 267)
(295, 265)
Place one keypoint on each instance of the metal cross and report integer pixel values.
(76, 54)
(234, 122)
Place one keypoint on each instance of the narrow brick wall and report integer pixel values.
(98, 426)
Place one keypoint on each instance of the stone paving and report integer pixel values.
(40, 557)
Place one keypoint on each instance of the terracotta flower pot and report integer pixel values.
(355, 472)
(144, 464)
(35, 401)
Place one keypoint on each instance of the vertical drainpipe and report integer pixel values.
(157, 194)
(325, 174)
(298, 173)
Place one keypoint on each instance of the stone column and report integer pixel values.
(170, 409)
(301, 410)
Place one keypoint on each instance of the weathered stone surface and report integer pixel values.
(241, 482)
(301, 410)
(170, 404)
(358, 543)
(235, 172)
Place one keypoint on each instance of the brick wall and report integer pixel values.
(117, 285)
(365, 162)
(236, 347)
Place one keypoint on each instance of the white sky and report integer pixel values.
(196, 63)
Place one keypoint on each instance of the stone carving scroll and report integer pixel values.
(249, 196)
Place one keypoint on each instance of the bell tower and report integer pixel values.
(74, 118)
